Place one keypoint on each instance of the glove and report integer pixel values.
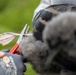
(40, 20)
(11, 64)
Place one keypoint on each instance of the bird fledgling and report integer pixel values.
(38, 53)
(56, 54)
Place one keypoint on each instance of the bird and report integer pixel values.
(56, 54)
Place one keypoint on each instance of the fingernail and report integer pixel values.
(2, 54)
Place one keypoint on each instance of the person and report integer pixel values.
(46, 10)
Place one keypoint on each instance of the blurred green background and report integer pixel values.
(14, 14)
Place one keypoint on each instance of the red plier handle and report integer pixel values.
(16, 46)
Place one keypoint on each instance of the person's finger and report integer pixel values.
(2, 54)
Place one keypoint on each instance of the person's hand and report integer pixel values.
(11, 64)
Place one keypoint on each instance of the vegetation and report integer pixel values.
(14, 14)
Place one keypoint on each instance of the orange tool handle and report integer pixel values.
(13, 50)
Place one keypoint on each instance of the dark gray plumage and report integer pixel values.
(59, 46)
(61, 32)
(36, 52)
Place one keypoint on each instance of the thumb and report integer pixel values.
(2, 54)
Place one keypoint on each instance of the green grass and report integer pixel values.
(14, 14)
(29, 70)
